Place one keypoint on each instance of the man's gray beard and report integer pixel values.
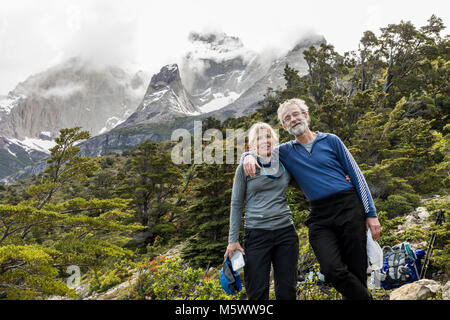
(299, 130)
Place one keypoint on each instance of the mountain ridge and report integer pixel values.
(218, 77)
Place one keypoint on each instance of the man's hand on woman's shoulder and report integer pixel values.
(250, 164)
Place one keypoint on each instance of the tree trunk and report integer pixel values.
(389, 75)
(363, 70)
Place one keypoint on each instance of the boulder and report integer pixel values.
(422, 213)
(446, 292)
(418, 290)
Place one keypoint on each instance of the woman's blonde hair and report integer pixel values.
(253, 136)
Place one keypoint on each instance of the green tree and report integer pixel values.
(322, 69)
(208, 216)
(39, 237)
(404, 47)
(64, 165)
(153, 181)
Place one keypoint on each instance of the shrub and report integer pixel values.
(311, 289)
(168, 279)
(306, 257)
(441, 250)
(102, 281)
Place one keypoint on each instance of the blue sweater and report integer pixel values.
(322, 172)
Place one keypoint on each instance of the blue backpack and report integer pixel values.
(401, 265)
(229, 279)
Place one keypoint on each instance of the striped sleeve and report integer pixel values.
(352, 169)
(275, 154)
(241, 161)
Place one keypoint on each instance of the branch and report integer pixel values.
(439, 88)
(4, 269)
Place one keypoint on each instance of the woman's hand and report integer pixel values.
(232, 247)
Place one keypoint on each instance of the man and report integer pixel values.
(341, 211)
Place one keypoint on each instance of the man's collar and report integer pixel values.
(320, 136)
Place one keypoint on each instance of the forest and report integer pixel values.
(122, 214)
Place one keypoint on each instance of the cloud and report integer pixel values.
(148, 34)
(104, 34)
(62, 91)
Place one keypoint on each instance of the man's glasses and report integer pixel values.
(294, 115)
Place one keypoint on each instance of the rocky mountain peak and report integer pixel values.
(219, 41)
(165, 77)
(72, 93)
(311, 40)
(217, 68)
(166, 98)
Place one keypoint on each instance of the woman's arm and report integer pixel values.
(237, 204)
(237, 209)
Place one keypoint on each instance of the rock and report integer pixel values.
(418, 219)
(446, 293)
(418, 290)
(166, 97)
(73, 93)
(58, 298)
(422, 213)
(82, 291)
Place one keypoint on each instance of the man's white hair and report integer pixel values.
(291, 102)
(253, 136)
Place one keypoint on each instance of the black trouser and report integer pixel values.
(266, 247)
(337, 234)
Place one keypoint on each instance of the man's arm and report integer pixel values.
(352, 169)
(248, 160)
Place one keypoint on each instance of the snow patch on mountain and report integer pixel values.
(11, 152)
(30, 144)
(110, 124)
(9, 102)
(220, 100)
(154, 97)
(178, 106)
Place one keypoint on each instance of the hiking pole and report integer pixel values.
(439, 219)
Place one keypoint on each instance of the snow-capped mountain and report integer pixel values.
(217, 69)
(68, 95)
(218, 77)
(7, 103)
(165, 99)
(273, 78)
(14, 155)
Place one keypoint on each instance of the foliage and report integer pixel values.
(64, 165)
(39, 236)
(311, 289)
(26, 272)
(388, 101)
(103, 280)
(306, 257)
(209, 216)
(152, 180)
(441, 249)
(168, 279)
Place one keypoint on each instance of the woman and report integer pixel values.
(270, 236)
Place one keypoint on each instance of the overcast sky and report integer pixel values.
(147, 34)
